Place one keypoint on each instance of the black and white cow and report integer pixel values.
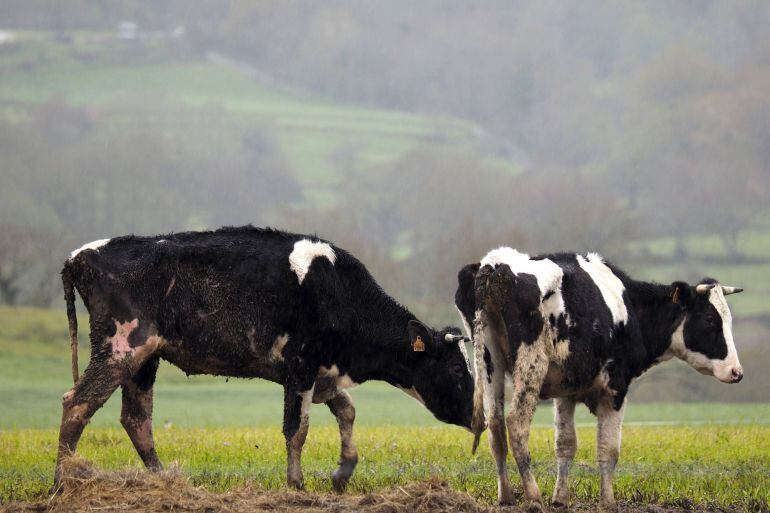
(249, 302)
(575, 328)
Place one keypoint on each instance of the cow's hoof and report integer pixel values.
(340, 480)
(297, 484)
(559, 504)
(608, 507)
(56, 489)
(533, 506)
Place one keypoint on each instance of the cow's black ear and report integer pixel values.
(682, 293)
(420, 336)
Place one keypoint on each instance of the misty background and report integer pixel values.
(416, 135)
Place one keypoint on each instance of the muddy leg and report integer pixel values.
(493, 378)
(92, 390)
(566, 446)
(528, 375)
(608, 446)
(136, 414)
(296, 406)
(341, 406)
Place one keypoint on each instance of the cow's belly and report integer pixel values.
(554, 383)
(236, 364)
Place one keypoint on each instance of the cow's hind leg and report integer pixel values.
(608, 446)
(566, 447)
(528, 376)
(492, 375)
(91, 391)
(296, 408)
(136, 413)
(341, 406)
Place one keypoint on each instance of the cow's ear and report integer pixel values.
(420, 336)
(682, 293)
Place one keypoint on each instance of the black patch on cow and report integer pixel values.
(234, 293)
(703, 331)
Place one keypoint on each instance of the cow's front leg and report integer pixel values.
(342, 408)
(136, 413)
(566, 446)
(296, 407)
(608, 446)
(528, 375)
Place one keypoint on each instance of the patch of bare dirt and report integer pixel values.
(88, 489)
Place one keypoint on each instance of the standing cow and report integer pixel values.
(249, 302)
(577, 329)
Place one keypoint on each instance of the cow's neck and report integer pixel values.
(380, 345)
(658, 318)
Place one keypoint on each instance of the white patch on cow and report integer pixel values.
(344, 382)
(723, 368)
(161, 241)
(341, 382)
(413, 393)
(469, 334)
(561, 351)
(697, 361)
(609, 285)
(276, 352)
(120, 346)
(95, 245)
(305, 251)
(547, 273)
(307, 400)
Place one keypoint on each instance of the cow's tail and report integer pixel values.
(69, 298)
(492, 286)
(478, 421)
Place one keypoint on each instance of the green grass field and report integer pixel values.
(226, 434)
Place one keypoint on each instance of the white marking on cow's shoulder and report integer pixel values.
(276, 352)
(303, 254)
(609, 285)
(548, 274)
(95, 245)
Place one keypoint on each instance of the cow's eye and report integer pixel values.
(457, 369)
(711, 320)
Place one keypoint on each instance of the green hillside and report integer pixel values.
(217, 99)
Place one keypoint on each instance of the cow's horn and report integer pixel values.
(730, 290)
(704, 287)
(453, 338)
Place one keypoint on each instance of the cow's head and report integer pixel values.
(442, 378)
(704, 339)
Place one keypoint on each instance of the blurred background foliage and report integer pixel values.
(417, 135)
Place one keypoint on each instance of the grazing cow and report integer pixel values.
(575, 328)
(248, 302)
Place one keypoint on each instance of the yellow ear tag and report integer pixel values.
(418, 345)
(675, 297)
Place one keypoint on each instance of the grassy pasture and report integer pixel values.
(725, 465)
(226, 434)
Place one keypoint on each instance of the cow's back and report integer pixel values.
(221, 300)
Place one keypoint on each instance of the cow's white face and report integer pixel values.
(704, 339)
